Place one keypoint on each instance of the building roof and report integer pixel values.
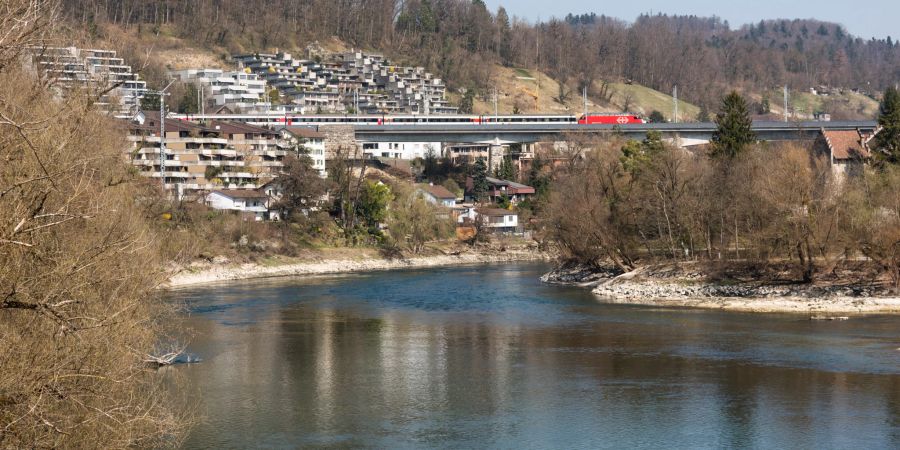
(438, 192)
(239, 128)
(511, 184)
(304, 132)
(240, 193)
(495, 212)
(849, 144)
(151, 123)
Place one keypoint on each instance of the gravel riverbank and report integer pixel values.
(214, 273)
(677, 288)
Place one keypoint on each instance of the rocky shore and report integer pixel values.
(671, 286)
(220, 271)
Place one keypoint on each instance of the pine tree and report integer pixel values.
(480, 184)
(887, 141)
(734, 130)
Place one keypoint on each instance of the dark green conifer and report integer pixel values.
(734, 130)
(887, 141)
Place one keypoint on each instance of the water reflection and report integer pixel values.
(488, 357)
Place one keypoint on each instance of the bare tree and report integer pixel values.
(78, 269)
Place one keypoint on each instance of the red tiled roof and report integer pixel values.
(846, 144)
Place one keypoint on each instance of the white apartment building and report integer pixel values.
(312, 140)
(71, 67)
(400, 150)
(237, 89)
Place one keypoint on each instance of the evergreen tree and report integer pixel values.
(506, 170)
(300, 183)
(636, 155)
(150, 102)
(467, 105)
(504, 47)
(657, 117)
(480, 184)
(703, 114)
(189, 103)
(734, 130)
(887, 141)
(373, 204)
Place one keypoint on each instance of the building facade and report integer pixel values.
(200, 158)
(96, 70)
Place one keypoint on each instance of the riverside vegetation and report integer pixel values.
(79, 264)
(742, 212)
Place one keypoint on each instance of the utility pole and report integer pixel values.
(496, 110)
(162, 134)
(785, 103)
(584, 100)
(675, 98)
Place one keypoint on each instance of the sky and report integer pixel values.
(866, 19)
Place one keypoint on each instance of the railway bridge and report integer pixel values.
(684, 134)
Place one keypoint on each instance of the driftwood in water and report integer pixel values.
(164, 359)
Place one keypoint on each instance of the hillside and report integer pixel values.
(532, 91)
(843, 105)
(528, 91)
(461, 40)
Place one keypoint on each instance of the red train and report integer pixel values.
(610, 119)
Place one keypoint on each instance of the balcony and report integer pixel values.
(182, 175)
(215, 152)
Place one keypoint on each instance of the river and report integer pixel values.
(488, 357)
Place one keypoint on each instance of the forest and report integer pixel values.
(460, 40)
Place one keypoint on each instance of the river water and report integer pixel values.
(488, 357)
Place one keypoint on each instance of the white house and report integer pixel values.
(400, 150)
(498, 220)
(494, 219)
(246, 201)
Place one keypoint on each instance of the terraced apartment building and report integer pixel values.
(200, 158)
(95, 70)
(349, 82)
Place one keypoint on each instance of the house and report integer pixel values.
(437, 195)
(495, 220)
(250, 201)
(497, 188)
(498, 220)
(847, 150)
